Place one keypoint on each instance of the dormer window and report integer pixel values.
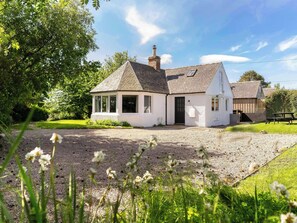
(191, 73)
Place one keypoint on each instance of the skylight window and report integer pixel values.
(191, 73)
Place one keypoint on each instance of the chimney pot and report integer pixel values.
(154, 60)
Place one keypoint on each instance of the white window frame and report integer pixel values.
(147, 109)
(215, 103)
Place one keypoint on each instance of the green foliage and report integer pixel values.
(281, 127)
(281, 100)
(41, 43)
(252, 75)
(71, 99)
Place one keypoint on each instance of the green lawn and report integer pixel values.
(282, 127)
(282, 169)
(68, 124)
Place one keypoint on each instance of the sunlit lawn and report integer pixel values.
(282, 127)
(282, 169)
(64, 124)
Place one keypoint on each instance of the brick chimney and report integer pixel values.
(154, 60)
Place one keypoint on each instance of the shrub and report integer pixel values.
(40, 114)
(109, 122)
(125, 124)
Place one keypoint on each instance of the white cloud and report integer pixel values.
(214, 58)
(288, 43)
(261, 45)
(290, 62)
(146, 29)
(234, 48)
(166, 59)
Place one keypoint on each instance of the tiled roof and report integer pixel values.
(268, 91)
(179, 82)
(247, 89)
(133, 76)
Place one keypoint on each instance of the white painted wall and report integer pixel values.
(223, 89)
(140, 119)
(194, 109)
(200, 104)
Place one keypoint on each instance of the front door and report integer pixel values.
(180, 110)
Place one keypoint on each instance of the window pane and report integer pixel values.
(227, 104)
(147, 104)
(97, 103)
(215, 103)
(113, 103)
(129, 104)
(104, 103)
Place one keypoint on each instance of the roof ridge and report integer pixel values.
(193, 66)
(141, 64)
(244, 82)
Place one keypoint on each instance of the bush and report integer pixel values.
(109, 122)
(20, 112)
(40, 114)
(125, 124)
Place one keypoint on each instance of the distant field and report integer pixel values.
(282, 127)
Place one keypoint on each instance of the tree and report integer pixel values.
(72, 98)
(42, 42)
(252, 75)
(279, 101)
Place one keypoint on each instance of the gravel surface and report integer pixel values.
(230, 154)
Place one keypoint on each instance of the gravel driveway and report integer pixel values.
(230, 154)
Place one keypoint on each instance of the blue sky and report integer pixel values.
(258, 35)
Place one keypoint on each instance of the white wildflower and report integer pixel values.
(288, 218)
(98, 157)
(44, 161)
(293, 204)
(111, 174)
(137, 155)
(138, 180)
(37, 151)
(253, 167)
(147, 177)
(30, 156)
(153, 142)
(93, 171)
(33, 154)
(56, 138)
(172, 163)
(280, 189)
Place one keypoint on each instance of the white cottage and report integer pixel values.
(146, 95)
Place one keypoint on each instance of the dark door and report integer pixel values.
(180, 110)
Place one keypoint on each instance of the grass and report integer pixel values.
(70, 124)
(282, 127)
(282, 169)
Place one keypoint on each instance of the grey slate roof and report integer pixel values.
(247, 89)
(179, 83)
(133, 76)
(268, 91)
